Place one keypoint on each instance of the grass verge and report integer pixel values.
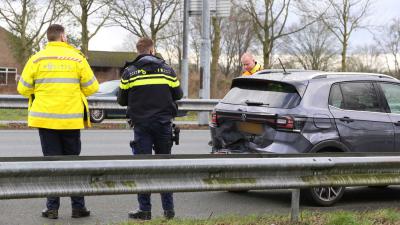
(22, 114)
(376, 217)
(13, 114)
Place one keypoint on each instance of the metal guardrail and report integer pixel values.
(17, 101)
(27, 179)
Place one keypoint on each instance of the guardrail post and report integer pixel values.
(294, 214)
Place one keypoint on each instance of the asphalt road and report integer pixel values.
(113, 209)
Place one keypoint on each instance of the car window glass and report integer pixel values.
(270, 94)
(360, 96)
(336, 97)
(392, 94)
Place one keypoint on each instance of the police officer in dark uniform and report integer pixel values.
(149, 87)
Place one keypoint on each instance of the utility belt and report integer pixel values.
(174, 137)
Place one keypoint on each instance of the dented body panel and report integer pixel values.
(314, 123)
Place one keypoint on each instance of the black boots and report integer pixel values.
(76, 213)
(146, 215)
(169, 214)
(50, 213)
(140, 215)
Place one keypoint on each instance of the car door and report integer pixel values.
(360, 118)
(391, 93)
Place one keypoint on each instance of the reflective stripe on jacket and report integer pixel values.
(255, 69)
(57, 81)
(149, 87)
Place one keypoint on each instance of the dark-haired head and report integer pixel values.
(55, 32)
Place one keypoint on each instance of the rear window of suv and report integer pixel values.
(263, 93)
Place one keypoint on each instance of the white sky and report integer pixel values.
(111, 39)
(383, 11)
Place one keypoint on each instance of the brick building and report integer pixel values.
(10, 68)
(107, 65)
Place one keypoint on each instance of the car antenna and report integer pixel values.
(283, 67)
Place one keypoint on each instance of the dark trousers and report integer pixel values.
(61, 142)
(153, 135)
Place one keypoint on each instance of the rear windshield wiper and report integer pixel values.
(251, 103)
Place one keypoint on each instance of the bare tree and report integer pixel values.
(144, 18)
(170, 42)
(195, 34)
(365, 59)
(215, 54)
(390, 44)
(269, 19)
(84, 11)
(28, 20)
(237, 38)
(314, 47)
(128, 43)
(342, 17)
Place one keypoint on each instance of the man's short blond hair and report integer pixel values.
(144, 45)
(247, 56)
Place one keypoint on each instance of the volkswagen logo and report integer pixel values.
(243, 117)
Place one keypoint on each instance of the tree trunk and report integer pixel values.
(215, 53)
(85, 33)
(267, 54)
(344, 54)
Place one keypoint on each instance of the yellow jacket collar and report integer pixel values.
(62, 44)
(256, 68)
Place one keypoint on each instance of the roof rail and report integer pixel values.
(268, 71)
(327, 75)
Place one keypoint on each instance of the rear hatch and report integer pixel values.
(253, 111)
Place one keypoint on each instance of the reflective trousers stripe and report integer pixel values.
(56, 115)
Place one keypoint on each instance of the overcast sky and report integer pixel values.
(383, 11)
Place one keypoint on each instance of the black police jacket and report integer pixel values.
(149, 87)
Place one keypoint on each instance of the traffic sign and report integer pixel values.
(219, 8)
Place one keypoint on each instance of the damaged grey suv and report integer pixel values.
(276, 111)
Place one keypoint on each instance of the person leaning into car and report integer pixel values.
(149, 87)
(250, 66)
(57, 80)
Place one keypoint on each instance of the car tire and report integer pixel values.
(97, 115)
(323, 196)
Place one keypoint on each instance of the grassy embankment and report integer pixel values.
(378, 217)
(13, 114)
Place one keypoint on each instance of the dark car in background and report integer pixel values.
(107, 89)
(296, 111)
(110, 89)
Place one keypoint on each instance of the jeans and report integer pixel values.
(61, 142)
(153, 135)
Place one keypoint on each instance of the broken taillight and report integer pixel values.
(290, 123)
(214, 118)
(285, 122)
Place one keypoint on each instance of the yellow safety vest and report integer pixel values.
(57, 80)
(255, 69)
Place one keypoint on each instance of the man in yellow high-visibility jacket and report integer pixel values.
(57, 80)
(250, 66)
